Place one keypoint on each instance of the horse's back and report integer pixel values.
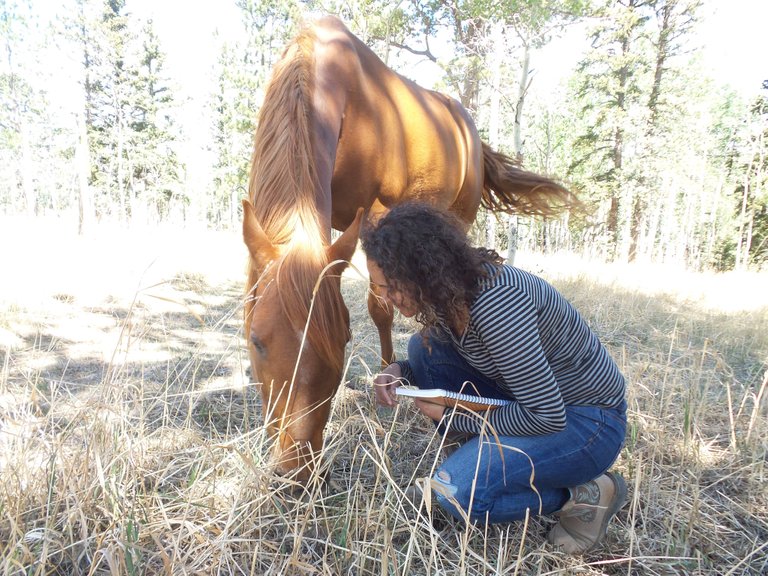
(396, 140)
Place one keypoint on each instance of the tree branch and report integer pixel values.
(425, 52)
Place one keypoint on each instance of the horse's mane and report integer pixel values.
(283, 175)
(283, 187)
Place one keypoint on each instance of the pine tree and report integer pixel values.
(610, 88)
(750, 195)
(152, 157)
(674, 20)
(101, 30)
(127, 137)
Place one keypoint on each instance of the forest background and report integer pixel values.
(105, 119)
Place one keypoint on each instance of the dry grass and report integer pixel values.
(130, 439)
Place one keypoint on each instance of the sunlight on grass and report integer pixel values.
(51, 259)
(726, 292)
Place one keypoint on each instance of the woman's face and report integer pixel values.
(397, 298)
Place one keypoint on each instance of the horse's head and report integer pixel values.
(298, 362)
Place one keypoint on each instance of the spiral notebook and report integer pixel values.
(451, 399)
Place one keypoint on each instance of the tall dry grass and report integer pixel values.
(130, 438)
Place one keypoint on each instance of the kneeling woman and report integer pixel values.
(494, 330)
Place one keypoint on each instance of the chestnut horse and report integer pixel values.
(341, 136)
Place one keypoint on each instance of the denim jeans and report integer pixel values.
(497, 478)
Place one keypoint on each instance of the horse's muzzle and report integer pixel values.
(297, 461)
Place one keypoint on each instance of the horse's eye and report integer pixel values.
(259, 345)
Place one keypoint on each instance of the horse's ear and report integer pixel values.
(345, 245)
(261, 249)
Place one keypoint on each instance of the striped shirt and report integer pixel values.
(526, 337)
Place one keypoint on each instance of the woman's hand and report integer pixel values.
(384, 385)
(430, 409)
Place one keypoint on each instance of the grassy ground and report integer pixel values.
(130, 439)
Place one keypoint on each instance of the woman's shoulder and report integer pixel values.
(508, 282)
(507, 290)
(507, 275)
(503, 282)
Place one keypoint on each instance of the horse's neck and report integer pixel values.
(323, 208)
(330, 86)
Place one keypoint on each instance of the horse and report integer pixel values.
(340, 139)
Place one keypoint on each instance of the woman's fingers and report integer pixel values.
(385, 383)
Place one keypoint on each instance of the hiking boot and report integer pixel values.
(584, 518)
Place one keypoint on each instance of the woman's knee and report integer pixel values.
(460, 498)
(418, 359)
(486, 482)
(476, 474)
(432, 350)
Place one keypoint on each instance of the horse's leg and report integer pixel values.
(382, 315)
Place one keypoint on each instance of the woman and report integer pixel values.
(490, 329)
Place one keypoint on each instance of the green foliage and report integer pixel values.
(641, 113)
(155, 168)
(749, 195)
(23, 100)
(129, 104)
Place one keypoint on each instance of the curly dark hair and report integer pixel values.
(424, 252)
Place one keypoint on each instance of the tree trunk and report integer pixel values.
(741, 248)
(27, 170)
(748, 239)
(469, 38)
(662, 53)
(493, 123)
(638, 213)
(522, 89)
(623, 76)
(83, 162)
(119, 170)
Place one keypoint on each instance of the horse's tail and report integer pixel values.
(508, 188)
